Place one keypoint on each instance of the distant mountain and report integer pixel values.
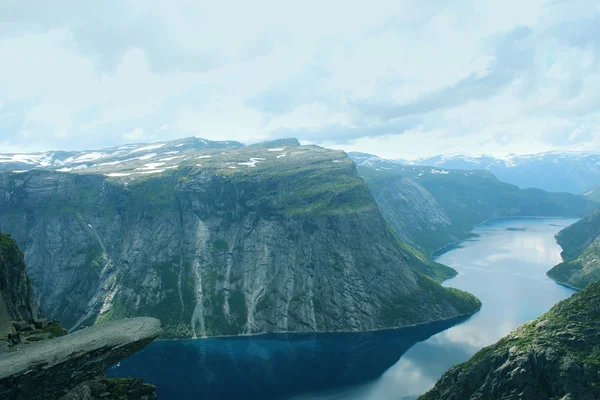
(581, 253)
(216, 238)
(432, 207)
(575, 173)
(556, 356)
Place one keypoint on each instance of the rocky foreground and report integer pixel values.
(556, 357)
(72, 365)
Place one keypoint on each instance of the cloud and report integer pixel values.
(398, 78)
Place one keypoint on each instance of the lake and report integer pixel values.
(504, 265)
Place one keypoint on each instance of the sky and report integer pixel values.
(399, 78)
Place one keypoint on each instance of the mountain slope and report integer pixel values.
(573, 173)
(556, 356)
(220, 241)
(432, 207)
(581, 253)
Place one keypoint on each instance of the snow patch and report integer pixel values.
(64, 169)
(252, 163)
(278, 149)
(20, 171)
(116, 174)
(146, 148)
(156, 171)
(439, 171)
(90, 157)
(281, 155)
(151, 166)
(171, 158)
(147, 156)
(204, 157)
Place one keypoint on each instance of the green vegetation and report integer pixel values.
(581, 252)
(412, 309)
(54, 329)
(568, 332)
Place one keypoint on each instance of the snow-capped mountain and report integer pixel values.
(552, 171)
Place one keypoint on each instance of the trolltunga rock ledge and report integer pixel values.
(50, 368)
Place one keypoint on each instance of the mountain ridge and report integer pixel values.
(221, 241)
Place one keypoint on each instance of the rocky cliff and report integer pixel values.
(15, 286)
(53, 368)
(581, 253)
(432, 207)
(218, 240)
(556, 357)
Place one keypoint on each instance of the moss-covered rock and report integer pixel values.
(554, 357)
(581, 253)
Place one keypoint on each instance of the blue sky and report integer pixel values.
(398, 78)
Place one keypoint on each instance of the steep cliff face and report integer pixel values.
(433, 207)
(556, 356)
(229, 241)
(15, 286)
(581, 253)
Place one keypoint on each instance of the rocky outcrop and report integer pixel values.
(231, 241)
(51, 368)
(554, 357)
(581, 253)
(15, 286)
(103, 388)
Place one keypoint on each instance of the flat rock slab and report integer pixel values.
(50, 368)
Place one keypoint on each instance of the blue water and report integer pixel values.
(504, 265)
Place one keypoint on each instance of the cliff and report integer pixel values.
(556, 356)
(15, 286)
(581, 253)
(219, 241)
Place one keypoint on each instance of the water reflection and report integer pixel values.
(270, 366)
(504, 265)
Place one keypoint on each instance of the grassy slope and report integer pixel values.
(581, 253)
(568, 333)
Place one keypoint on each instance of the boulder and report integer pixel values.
(41, 323)
(51, 368)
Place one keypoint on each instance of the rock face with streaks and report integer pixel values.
(219, 241)
(51, 368)
(556, 357)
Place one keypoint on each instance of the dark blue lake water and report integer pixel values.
(504, 266)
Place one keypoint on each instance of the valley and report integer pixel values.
(502, 266)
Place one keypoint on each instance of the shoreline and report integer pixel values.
(459, 319)
(444, 249)
(563, 283)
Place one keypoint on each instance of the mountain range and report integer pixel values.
(432, 207)
(571, 172)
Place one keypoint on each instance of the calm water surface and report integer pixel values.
(504, 266)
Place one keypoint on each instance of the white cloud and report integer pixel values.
(397, 78)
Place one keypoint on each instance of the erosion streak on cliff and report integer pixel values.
(291, 244)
